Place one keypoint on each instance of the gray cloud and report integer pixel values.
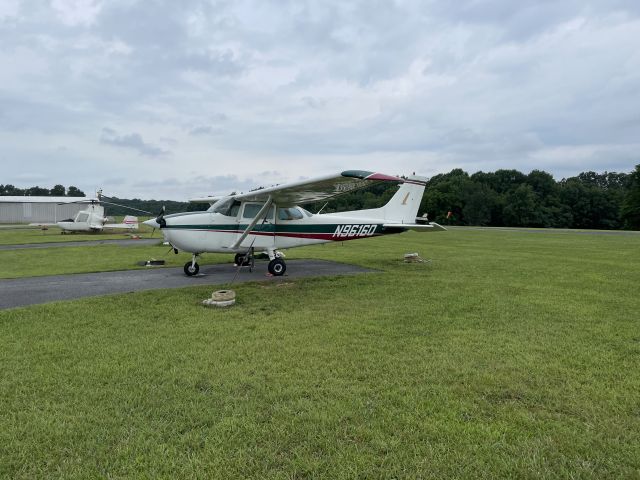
(202, 185)
(131, 140)
(303, 88)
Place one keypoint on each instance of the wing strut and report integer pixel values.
(261, 213)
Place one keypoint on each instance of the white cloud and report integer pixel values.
(76, 12)
(9, 9)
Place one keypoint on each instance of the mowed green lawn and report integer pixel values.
(38, 262)
(508, 355)
(19, 234)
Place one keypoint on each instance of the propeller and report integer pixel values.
(158, 222)
(160, 218)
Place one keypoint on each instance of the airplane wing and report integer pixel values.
(317, 189)
(209, 200)
(419, 227)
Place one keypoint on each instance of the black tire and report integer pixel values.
(242, 259)
(191, 270)
(277, 267)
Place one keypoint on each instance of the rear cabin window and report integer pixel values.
(252, 209)
(291, 213)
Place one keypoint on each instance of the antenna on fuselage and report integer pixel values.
(327, 203)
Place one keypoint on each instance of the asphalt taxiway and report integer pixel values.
(34, 290)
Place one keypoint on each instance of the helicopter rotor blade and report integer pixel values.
(128, 207)
(92, 201)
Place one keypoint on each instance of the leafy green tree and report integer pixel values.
(75, 192)
(58, 191)
(37, 192)
(542, 183)
(10, 190)
(630, 210)
(479, 203)
(523, 208)
(591, 206)
(501, 181)
(606, 180)
(445, 193)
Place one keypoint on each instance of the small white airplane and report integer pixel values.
(269, 220)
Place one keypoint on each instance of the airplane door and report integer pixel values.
(263, 233)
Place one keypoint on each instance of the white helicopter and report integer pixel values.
(92, 219)
(269, 220)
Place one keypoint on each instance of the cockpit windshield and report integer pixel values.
(226, 206)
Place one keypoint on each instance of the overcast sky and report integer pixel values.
(174, 99)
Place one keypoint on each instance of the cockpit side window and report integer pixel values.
(252, 209)
(290, 213)
(235, 208)
(82, 217)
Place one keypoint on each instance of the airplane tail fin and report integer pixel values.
(403, 206)
(401, 209)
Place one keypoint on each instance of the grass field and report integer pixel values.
(95, 258)
(23, 234)
(508, 355)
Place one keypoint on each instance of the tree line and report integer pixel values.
(56, 191)
(510, 198)
(504, 198)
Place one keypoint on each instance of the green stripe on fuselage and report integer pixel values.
(315, 228)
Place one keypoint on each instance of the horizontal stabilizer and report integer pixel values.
(130, 222)
(425, 227)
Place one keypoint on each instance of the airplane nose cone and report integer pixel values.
(152, 223)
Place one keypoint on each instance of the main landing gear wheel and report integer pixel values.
(243, 260)
(191, 269)
(277, 267)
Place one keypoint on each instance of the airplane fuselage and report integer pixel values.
(78, 227)
(200, 232)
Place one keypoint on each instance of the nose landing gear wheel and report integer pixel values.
(277, 267)
(191, 269)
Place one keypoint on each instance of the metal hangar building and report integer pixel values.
(24, 209)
